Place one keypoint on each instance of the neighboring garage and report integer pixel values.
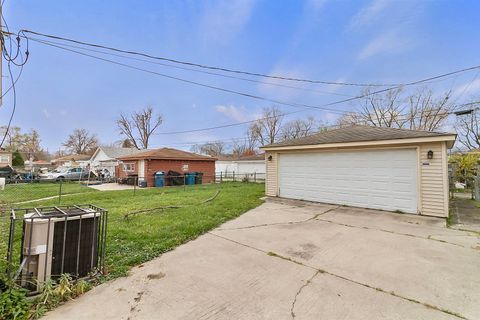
(144, 165)
(371, 167)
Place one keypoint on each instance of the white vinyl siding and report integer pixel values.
(434, 184)
(271, 185)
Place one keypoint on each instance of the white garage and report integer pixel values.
(369, 167)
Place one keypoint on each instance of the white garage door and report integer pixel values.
(383, 179)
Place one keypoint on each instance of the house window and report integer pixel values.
(4, 159)
(129, 167)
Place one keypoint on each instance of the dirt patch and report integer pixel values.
(154, 276)
(306, 251)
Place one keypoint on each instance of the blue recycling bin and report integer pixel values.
(190, 178)
(159, 179)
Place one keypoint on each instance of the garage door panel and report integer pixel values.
(373, 179)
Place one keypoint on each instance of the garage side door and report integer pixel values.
(383, 179)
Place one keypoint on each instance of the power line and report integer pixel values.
(277, 77)
(400, 117)
(248, 95)
(191, 69)
(14, 104)
(11, 59)
(322, 107)
(309, 131)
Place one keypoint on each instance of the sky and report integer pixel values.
(374, 41)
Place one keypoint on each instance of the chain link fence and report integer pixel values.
(20, 194)
(464, 183)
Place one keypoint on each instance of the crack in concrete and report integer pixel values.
(392, 232)
(318, 270)
(279, 223)
(315, 217)
(292, 313)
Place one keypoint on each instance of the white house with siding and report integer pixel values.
(241, 165)
(106, 158)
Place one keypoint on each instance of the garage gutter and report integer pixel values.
(450, 139)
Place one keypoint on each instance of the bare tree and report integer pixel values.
(418, 111)
(214, 148)
(28, 142)
(126, 143)
(468, 130)
(13, 138)
(244, 147)
(298, 128)
(266, 130)
(60, 153)
(139, 126)
(32, 142)
(426, 112)
(81, 141)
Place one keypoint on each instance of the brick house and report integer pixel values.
(145, 164)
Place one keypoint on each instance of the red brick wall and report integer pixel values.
(152, 166)
(123, 174)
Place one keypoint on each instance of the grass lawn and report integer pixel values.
(30, 191)
(146, 236)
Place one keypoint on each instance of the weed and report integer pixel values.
(14, 304)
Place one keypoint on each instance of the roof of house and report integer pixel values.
(166, 153)
(115, 153)
(73, 157)
(357, 133)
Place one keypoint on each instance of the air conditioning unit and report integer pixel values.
(58, 240)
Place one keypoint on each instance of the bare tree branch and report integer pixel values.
(80, 141)
(418, 111)
(214, 148)
(139, 126)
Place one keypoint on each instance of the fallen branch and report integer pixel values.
(212, 198)
(133, 213)
(149, 210)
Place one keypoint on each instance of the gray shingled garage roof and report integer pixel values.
(357, 134)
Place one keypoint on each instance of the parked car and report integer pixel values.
(60, 174)
(460, 185)
(8, 172)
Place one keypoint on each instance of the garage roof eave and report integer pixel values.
(448, 138)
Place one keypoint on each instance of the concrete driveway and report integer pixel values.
(304, 261)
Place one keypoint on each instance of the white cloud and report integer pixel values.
(317, 5)
(331, 118)
(283, 92)
(225, 20)
(239, 114)
(388, 42)
(45, 112)
(369, 13)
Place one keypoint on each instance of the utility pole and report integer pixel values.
(1, 55)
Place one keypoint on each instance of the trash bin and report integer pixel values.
(159, 179)
(198, 177)
(190, 178)
(175, 178)
(142, 183)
